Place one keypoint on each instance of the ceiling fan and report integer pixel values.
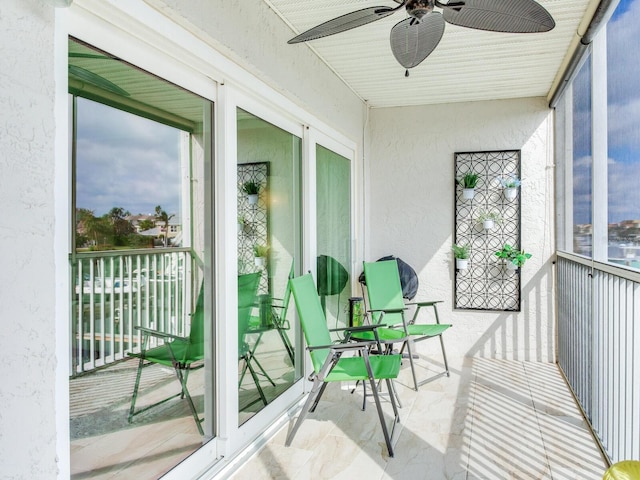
(414, 38)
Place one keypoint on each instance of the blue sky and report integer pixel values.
(623, 96)
(125, 161)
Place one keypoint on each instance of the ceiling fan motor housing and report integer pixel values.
(419, 8)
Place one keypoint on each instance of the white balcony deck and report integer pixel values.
(492, 419)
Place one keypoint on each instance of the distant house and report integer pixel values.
(175, 227)
(137, 219)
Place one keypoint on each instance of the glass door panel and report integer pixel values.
(333, 200)
(268, 254)
(141, 303)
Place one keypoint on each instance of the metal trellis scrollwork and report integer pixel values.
(253, 220)
(487, 283)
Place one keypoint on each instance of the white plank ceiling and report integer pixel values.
(467, 65)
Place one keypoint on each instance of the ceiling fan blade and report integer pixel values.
(509, 16)
(345, 22)
(412, 41)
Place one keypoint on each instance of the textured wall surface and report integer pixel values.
(252, 35)
(411, 212)
(27, 342)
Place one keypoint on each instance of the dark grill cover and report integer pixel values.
(408, 277)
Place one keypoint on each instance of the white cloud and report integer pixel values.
(125, 161)
(623, 64)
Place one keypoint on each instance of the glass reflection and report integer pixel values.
(623, 135)
(268, 253)
(582, 162)
(333, 200)
(139, 293)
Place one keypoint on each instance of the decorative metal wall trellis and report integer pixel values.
(487, 284)
(253, 221)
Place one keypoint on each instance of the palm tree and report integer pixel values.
(164, 217)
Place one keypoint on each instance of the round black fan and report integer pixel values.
(414, 38)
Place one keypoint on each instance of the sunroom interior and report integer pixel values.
(249, 158)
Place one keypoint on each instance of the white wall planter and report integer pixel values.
(511, 266)
(462, 263)
(488, 224)
(259, 261)
(468, 193)
(510, 193)
(252, 198)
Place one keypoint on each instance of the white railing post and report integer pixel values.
(123, 290)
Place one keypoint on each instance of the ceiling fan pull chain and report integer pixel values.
(406, 73)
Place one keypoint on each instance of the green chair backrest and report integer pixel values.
(196, 331)
(314, 323)
(287, 294)
(384, 290)
(247, 290)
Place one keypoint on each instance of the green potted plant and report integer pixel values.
(468, 183)
(461, 254)
(241, 223)
(510, 186)
(252, 189)
(514, 258)
(489, 219)
(260, 253)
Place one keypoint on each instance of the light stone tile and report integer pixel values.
(274, 462)
(490, 420)
(343, 457)
(150, 444)
(570, 448)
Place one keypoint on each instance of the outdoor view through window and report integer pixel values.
(622, 138)
(127, 180)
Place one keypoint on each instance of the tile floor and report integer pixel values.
(105, 446)
(491, 420)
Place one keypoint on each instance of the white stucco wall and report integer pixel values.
(411, 212)
(253, 36)
(27, 276)
(34, 391)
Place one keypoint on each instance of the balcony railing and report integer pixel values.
(113, 292)
(598, 335)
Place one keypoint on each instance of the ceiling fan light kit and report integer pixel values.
(414, 38)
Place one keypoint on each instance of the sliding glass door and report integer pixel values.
(141, 361)
(269, 253)
(333, 206)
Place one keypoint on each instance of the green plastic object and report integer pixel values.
(247, 292)
(339, 362)
(247, 289)
(624, 470)
(386, 302)
(332, 276)
(180, 353)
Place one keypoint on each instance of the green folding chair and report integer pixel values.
(273, 316)
(247, 290)
(329, 364)
(180, 353)
(387, 307)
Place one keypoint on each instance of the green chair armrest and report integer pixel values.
(429, 303)
(388, 310)
(156, 333)
(341, 347)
